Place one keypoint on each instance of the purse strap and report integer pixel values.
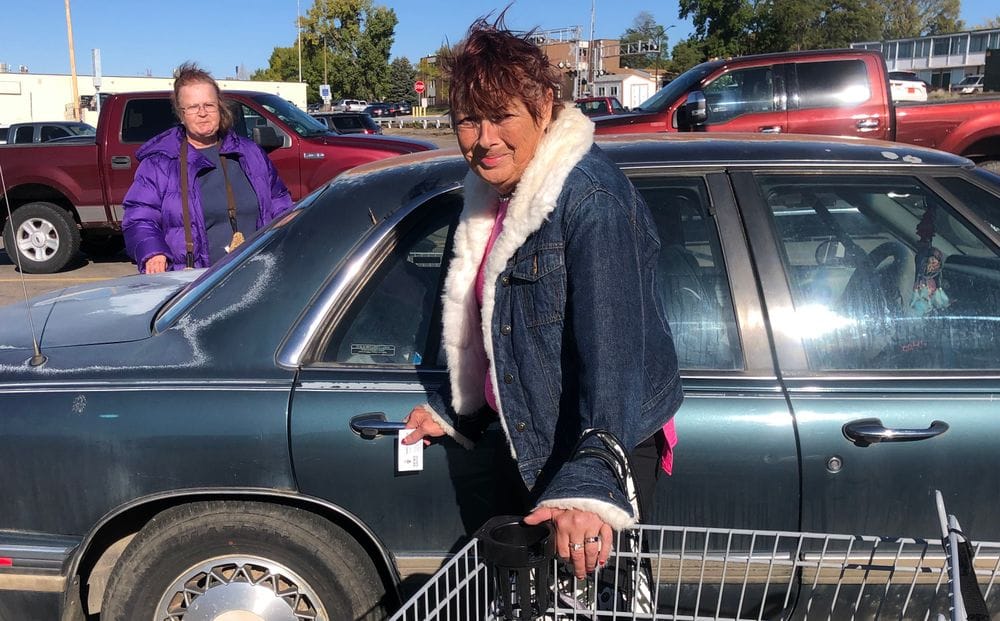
(185, 207)
(230, 200)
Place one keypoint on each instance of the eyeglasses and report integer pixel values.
(207, 108)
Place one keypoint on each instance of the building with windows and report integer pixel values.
(941, 60)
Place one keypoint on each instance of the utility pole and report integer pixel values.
(72, 64)
(591, 54)
(298, 33)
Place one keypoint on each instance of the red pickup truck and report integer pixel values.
(830, 92)
(65, 194)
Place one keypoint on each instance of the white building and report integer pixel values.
(49, 97)
(630, 86)
(941, 60)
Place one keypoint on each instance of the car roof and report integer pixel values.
(443, 169)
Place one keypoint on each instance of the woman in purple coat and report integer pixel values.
(231, 188)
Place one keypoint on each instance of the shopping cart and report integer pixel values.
(508, 572)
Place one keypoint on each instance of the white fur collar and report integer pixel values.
(466, 332)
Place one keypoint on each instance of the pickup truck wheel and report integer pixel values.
(44, 235)
(233, 560)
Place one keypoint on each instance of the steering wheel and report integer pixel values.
(873, 287)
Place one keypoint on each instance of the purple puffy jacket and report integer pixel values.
(153, 222)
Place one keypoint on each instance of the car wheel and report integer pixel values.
(243, 560)
(44, 235)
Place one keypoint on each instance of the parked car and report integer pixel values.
(349, 105)
(349, 122)
(405, 107)
(969, 85)
(377, 110)
(182, 434)
(830, 92)
(67, 193)
(906, 86)
(598, 106)
(47, 131)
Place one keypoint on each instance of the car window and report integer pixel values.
(885, 275)
(691, 274)
(395, 318)
(245, 119)
(344, 123)
(145, 118)
(739, 92)
(831, 84)
(985, 204)
(24, 134)
(49, 132)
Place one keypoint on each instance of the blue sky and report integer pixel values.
(155, 36)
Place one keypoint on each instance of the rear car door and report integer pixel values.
(837, 98)
(735, 463)
(883, 291)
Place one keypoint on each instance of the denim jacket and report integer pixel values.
(571, 330)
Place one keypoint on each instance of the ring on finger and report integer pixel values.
(594, 539)
(576, 546)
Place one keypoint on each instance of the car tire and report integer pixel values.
(44, 235)
(234, 557)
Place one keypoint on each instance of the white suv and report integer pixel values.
(350, 105)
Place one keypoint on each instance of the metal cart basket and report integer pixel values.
(508, 572)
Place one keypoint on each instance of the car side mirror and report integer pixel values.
(267, 138)
(693, 113)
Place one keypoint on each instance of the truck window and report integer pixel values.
(831, 84)
(23, 134)
(145, 118)
(50, 132)
(739, 92)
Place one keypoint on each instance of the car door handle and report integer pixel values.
(121, 162)
(373, 424)
(868, 431)
(868, 124)
(771, 129)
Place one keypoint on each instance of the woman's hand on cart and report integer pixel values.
(424, 425)
(581, 536)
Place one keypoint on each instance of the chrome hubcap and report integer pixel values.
(37, 239)
(232, 588)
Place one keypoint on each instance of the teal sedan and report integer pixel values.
(211, 444)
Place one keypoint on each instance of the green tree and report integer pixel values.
(722, 26)
(990, 23)
(429, 70)
(941, 16)
(782, 25)
(345, 42)
(645, 30)
(402, 75)
(685, 55)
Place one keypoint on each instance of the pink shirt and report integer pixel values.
(502, 204)
(669, 432)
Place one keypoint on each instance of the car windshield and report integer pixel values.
(677, 87)
(971, 80)
(300, 122)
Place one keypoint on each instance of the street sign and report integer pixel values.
(324, 91)
(418, 86)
